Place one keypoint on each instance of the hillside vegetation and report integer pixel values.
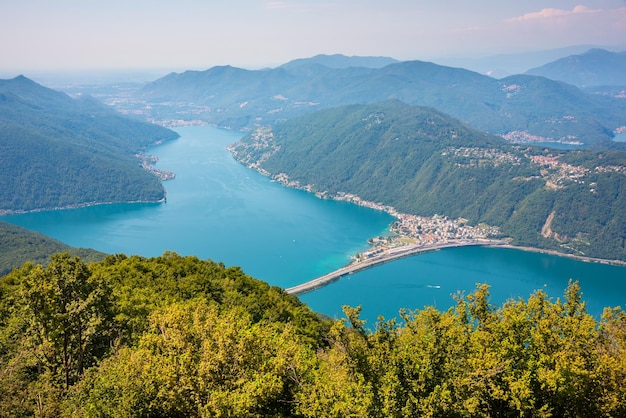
(522, 105)
(60, 152)
(423, 162)
(20, 245)
(178, 336)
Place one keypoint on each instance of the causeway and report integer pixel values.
(384, 257)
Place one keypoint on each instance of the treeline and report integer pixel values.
(60, 152)
(424, 162)
(178, 336)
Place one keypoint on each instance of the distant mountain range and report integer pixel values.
(504, 65)
(423, 162)
(596, 67)
(57, 152)
(522, 106)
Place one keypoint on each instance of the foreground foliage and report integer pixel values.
(178, 336)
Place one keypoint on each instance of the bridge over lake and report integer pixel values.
(384, 257)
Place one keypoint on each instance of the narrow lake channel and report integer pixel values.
(220, 210)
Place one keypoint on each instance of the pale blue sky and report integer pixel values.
(198, 34)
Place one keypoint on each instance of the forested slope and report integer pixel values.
(19, 245)
(178, 336)
(423, 162)
(56, 151)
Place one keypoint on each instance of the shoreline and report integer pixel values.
(586, 259)
(284, 180)
(6, 212)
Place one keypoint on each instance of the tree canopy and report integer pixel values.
(179, 336)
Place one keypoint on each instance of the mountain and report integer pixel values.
(596, 67)
(523, 105)
(338, 61)
(61, 152)
(20, 245)
(423, 162)
(504, 65)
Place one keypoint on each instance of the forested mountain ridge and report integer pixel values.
(423, 162)
(178, 336)
(20, 245)
(60, 152)
(526, 107)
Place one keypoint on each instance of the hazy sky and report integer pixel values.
(198, 34)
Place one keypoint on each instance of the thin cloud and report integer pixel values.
(295, 5)
(276, 5)
(579, 24)
(544, 28)
(550, 13)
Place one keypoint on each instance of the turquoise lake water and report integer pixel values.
(218, 209)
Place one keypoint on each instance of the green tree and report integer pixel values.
(336, 386)
(198, 359)
(68, 315)
(612, 362)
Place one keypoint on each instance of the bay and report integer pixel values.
(219, 209)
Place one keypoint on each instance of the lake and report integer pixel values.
(219, 209)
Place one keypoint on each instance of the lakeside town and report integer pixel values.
(409, 234)
(148, 162)
(421, 231)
